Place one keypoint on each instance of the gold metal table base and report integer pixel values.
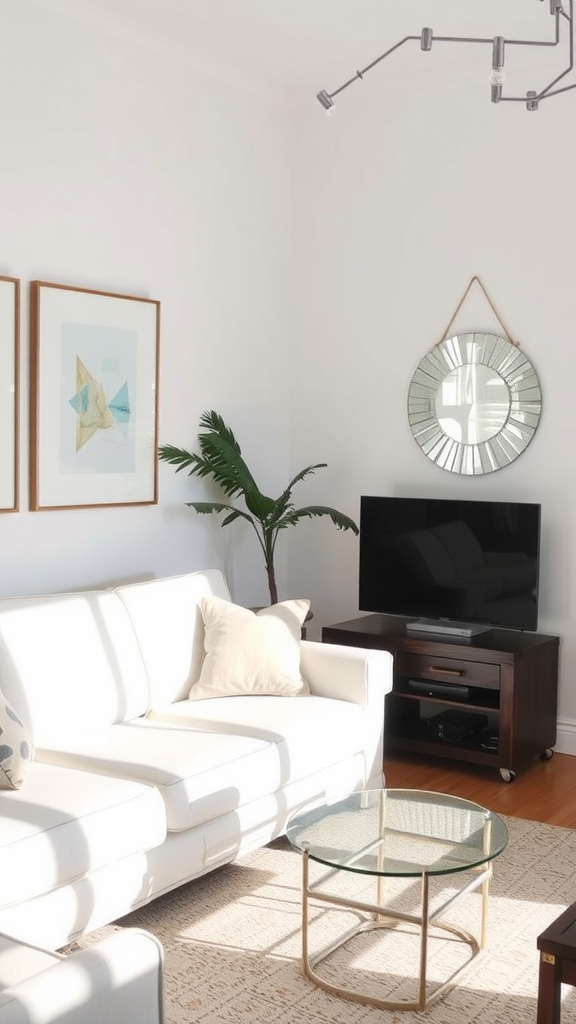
(381, 917)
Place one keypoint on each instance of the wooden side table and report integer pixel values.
(557, 945)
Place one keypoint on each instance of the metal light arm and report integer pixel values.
(498, 44)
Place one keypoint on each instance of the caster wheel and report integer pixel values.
(507, 774)
(547, 755)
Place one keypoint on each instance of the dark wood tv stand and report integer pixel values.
(508, 677)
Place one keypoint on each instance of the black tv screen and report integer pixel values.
(434, 558)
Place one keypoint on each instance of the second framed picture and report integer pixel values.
(94, 398)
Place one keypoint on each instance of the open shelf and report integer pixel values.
(479, 700)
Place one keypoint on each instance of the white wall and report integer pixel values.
(402, 197)
(127, 171)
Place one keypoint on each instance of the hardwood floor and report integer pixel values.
(544, 791)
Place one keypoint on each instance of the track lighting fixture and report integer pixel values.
(563, 15)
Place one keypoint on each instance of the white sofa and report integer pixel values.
(119, 979)
(134, 788)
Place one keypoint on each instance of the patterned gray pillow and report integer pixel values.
(16, 749)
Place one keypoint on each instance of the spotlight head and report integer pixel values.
(426, 39)
(498, 52)
(326, 101)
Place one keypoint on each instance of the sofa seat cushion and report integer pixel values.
(64, 823)
(199, 773)
(308, 732)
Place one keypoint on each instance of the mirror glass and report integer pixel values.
(474, 403)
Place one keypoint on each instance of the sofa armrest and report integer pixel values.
(355, 674)
(119, 978)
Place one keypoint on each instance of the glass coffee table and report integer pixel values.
(402, 834)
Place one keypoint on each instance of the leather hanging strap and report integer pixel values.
(477, 280)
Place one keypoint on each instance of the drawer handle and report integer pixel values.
(447, 671)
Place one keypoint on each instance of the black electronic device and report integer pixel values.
(455, 726)
(456, 567)
(489, 741)
(428, 688)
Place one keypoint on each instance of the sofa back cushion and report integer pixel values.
(70, 663)
(166, 617)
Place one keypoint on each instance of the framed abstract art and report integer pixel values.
(94, 398)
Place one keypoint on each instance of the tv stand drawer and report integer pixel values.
(448, 670)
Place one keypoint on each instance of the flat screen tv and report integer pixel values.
(440, 560)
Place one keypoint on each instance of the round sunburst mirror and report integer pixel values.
(474, 403)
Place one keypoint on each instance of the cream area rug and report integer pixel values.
(232, 942)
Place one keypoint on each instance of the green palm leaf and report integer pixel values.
(207, 507)
(340, 520)
(304, 473)
(179, 457)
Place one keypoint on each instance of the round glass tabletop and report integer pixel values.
(400, 832)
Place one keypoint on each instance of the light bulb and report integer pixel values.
(497, 76)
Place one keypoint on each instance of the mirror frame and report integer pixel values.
(506, 360)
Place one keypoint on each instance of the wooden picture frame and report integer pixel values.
(10, 392)
(94, 398)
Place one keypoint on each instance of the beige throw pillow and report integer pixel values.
(251, 652)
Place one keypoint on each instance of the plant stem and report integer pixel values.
(272, 584)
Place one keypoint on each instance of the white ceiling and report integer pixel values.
(296, 47)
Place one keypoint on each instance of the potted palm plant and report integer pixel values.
(220, 457)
